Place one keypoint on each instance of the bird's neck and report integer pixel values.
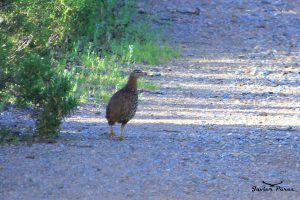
(131, 84)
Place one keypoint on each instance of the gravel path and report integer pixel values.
(226, 118)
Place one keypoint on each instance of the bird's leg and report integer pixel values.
(122, 132)
(112, 133)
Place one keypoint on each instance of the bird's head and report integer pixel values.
(137, 73)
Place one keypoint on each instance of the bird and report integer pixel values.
(272, 185)
(122, 106)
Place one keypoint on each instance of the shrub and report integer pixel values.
(47, 90)
(53, 52)
(34, 82)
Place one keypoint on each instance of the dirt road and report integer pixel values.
(226, 118)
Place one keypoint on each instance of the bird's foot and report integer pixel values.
(121, 138)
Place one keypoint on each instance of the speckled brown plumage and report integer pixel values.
(123, 104)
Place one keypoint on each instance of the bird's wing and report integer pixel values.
(117, 106)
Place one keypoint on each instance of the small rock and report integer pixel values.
(244, 177)
(263, 114)
(152, 74)
(30, 157)
(189, 11)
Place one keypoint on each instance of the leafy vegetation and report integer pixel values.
(55, 54)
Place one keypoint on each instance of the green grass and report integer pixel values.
(152, 54)
(96, 79)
